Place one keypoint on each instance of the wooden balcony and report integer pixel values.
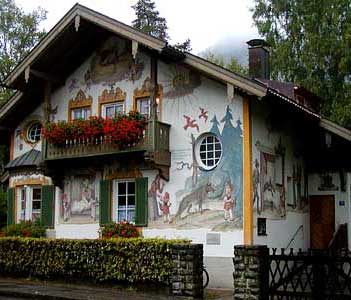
(154, 146)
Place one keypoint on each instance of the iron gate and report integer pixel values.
(315, 274)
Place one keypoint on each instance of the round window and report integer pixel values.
(34, 132)
(209, 151)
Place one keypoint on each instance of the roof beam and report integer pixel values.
(336, 129)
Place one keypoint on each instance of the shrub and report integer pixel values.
(25, 229)
(122, 229)
(105, 260)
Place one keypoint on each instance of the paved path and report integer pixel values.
(27, 289)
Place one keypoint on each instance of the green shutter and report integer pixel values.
(141, 202)
(11, 206)
(105, 201)
(47, 205)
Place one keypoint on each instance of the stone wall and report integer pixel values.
(251, 272)
(187, 277)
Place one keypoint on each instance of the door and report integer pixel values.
(322, 220)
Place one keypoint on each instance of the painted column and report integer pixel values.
(247, 174)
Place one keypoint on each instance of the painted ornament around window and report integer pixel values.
(208, 198)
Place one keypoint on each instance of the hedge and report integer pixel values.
(114, 260)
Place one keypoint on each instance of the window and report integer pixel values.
(112, 109)
(29, 202)
(143, 106)
(209, 151)
(34, 132)
(124, 200)
(80, 113)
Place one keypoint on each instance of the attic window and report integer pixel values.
(34, 132)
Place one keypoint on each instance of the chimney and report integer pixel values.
(258, 59)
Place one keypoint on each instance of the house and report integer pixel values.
(223, 159)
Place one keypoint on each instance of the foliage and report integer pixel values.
(106, 260)
(310, 45)
(26, 229)
(122, 229)
(148, 20)
(19, 32)
(233, 64)
(124, 129)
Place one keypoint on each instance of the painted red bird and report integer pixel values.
(190, 123)
(203, 114)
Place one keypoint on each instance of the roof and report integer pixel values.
(79, 13)
(293, 94)
(31, 158)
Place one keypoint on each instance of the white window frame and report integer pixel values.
(115, 199)
(85, 112)
(28, 211)
(144, 99)
(199, 151)
(116, 104)
(37, 133)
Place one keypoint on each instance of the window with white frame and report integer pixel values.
(34, 132)
(80, 113)
(28, 202)
(111, 110)
(143, 106)
(209, 151)
(124, 200)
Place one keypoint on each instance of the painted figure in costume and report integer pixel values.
(228, 201)
(66, 207)
(155, 193)
(164, 205)
(256, 182)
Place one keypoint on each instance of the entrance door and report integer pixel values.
(322, 220)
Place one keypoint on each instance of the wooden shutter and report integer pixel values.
(141, 202)
(47, 205)
(11, 206)
(105, 201)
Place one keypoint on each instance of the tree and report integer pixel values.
(148, 20)
(310, 45)
(233, 64)
(19, 32)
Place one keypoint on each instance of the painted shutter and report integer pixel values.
(47, 205)
(141, 202)
(11, 206)
(105, 201)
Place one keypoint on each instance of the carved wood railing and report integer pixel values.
(155, 140)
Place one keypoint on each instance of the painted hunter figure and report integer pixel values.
(165, 203)
(228, 201)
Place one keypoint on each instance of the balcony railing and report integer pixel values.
(154, 142)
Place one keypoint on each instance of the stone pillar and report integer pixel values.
(251, 272)
(186, 278)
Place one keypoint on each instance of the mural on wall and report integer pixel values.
(180, 85)
(297, 190)
(114, 62)
(326, 182)
(208, 199)
(79, 200)
(269, 188)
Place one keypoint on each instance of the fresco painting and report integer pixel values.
(114, 62)
(208, 198)
(79, 200)
(298, 195)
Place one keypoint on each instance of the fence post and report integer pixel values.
(251, 272)
(187, 277)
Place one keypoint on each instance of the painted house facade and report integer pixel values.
(223, 160)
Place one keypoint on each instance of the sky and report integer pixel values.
(203, 21)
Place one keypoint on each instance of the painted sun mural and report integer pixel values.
(180, 85)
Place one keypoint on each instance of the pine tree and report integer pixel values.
(215, 127)
(148, 20)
